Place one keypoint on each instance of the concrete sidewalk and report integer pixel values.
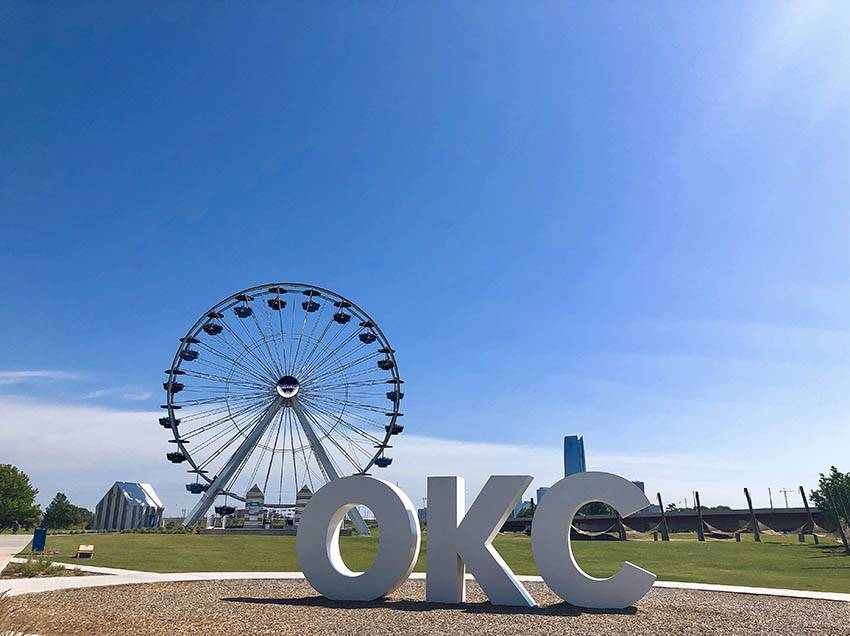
(10, 545)
(113, 576)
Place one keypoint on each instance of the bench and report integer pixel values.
(85, 552)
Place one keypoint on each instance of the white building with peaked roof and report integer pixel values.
(128, 505)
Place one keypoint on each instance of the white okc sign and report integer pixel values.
(457, 541)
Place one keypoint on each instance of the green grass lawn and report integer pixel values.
(776, 562)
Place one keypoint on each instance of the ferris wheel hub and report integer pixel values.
(287, 387)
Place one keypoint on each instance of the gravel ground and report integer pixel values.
(275, 607)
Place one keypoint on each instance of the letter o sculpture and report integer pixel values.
(317, 542)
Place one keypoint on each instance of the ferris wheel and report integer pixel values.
(283, 386)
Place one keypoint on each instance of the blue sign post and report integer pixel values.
(39, 539)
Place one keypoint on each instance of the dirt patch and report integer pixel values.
(273, 607)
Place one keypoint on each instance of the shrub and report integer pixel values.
(36, 566)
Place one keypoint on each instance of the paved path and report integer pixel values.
(10, 545)
(113, 576)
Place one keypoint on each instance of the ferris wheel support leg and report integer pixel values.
(245, 449)
(353, 514)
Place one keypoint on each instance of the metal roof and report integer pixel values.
(139, 494)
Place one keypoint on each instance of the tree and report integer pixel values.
(85, 517)
(596, 508)
(62, 514)
(671, 507)
(17, 498)
(833, 496)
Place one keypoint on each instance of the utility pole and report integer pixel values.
(785, 492)
(770, 496)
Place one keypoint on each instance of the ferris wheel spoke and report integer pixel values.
(348, 362)
(273, 339)
(338, 370)
(216, 453)
(232, 373)
(282, 336)
(310, 337)
(302, 447)
(326, 347)
(337, 358)
(332, 439)
(338, 420)
(274, 450)
(346, 419)
(339, 361)
(349, 415)
(230, 417)
(200, 415)
(254, 372)
(235, 355)
(270, 364)
(340, 385)
(316, 341)
(300, 337)
(230, 485)
(262, 453)
(205, 461)
(292, 446)
(270, 372)
(221, 379)
(367, 371)
(340, 416)
(328, 355)
(350, 403)
(224, 389)
(240, 424)
(230, 354)
(265, 340)
(327, 352)
(222, 398)
(243, 356)
(282, 426)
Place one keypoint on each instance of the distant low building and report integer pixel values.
(540, 492)
(128, 505)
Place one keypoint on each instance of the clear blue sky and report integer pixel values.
(627, 221)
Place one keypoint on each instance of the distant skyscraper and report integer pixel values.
(640, 485)
(574, 455)
(540, 492)
(520, 505)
